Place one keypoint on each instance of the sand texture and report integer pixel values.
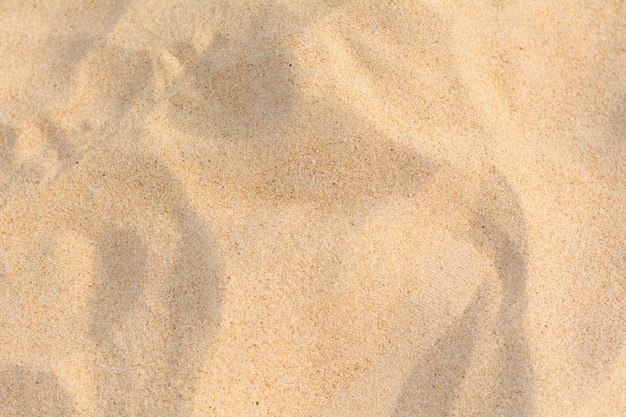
(312, 208)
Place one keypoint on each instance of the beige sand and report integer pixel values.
(312, 209)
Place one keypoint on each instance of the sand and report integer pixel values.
(312, 208)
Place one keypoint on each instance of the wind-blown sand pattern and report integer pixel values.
(320, 209)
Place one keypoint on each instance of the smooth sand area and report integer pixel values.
(312, 208)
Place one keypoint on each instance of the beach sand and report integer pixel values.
(312, 208)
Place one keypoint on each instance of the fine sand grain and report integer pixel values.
(327, 208)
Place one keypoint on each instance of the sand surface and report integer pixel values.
(312, 208)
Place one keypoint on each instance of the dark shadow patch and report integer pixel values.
(122, 76)
(328, 162)
(192, 301)
(27, 392)
(58, 139)
(278, 147)
(118, 285)
(617, 116)
(65, 52)
(85, 24)
(8, 138)
(433, 386)
(342, 167)
(242, 85)
(117, 291)
(498, 230)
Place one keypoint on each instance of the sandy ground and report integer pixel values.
(312, 208)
